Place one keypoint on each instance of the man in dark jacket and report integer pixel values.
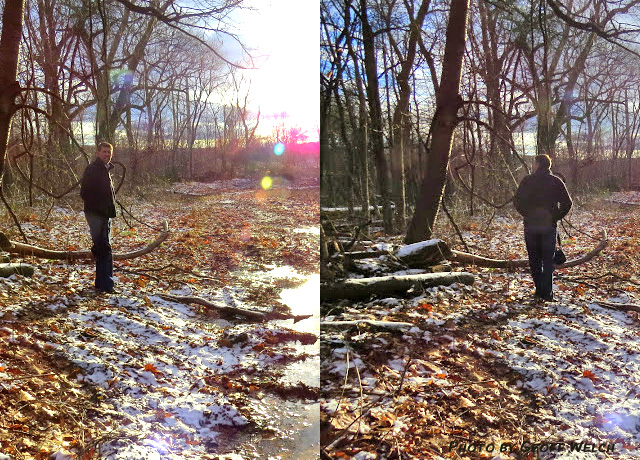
(543, 200)
(96, 190)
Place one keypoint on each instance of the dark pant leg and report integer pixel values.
(100, 229)
(541, 244)
(548, 248)
(532, 240)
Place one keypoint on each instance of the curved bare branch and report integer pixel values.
(466, 258)
(77, 256)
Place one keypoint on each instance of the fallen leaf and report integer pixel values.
(590, 375)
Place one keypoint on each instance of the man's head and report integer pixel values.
(543, 162)
(105, 152)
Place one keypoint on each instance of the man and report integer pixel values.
(542, 199)
(96, 190)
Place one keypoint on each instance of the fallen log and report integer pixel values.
(23, 249)
(363, 288)
(359, 255)
(7, 269)
(424, 253)
(227, 311)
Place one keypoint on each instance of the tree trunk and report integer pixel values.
(448, 102)
(362, 136)
(12, 22)
(375, 115)
(401, 125)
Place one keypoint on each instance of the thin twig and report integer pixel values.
(13, 216)
(455, 226)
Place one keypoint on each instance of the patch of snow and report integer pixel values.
(152, 364)
(415, 247)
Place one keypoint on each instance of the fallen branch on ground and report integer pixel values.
(472, 259)
(393, 325)
(9, 269)
(619, 306)
(231, 312)
(22, 249)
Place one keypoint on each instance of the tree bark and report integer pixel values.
(448, 101)
(388, 285)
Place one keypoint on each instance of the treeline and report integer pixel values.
(536, 76)
(159, 80)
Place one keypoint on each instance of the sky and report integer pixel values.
(285, 41)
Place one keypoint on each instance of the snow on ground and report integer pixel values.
(160, 367)
(586, 360)
(565, 371)
(627, 197)
(581, 360)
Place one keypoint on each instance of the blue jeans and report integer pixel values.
(100, 229)
(541, 245)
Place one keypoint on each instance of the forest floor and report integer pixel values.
(486, 371)
(132, 376)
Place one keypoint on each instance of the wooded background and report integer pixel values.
(161, 80)
(422, 99)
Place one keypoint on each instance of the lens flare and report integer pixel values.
(266, 183)
(121, 78)
(278, 149)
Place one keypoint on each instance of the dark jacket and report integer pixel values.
(542, 199)
(96, 189)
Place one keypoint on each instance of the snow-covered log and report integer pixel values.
(22, 249)
(363, 288)
(359, 255)
(424, 253)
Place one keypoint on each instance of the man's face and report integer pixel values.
(105, 154)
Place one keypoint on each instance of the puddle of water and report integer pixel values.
(309, 230)
(305, 300)
(301, 420)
